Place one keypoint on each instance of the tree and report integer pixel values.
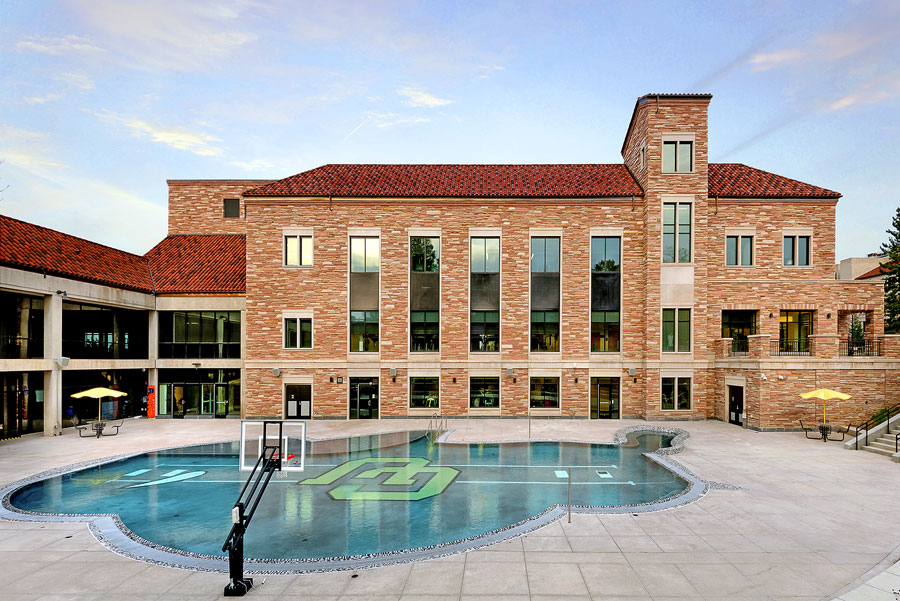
(891, 248)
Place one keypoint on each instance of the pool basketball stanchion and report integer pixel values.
(272, 456)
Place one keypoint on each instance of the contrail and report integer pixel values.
(356, 129)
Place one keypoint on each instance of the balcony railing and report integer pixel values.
(84, 349)
(863, 347)
(790, 347)
(740, 347)
(21, 347)
(199, 350)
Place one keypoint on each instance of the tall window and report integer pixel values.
(364, 331)
(424, 393)
(424, 294)
(425, 254)
(297, 333)
(484, 393)
(424, 327)
(484, 294)
(738, 325)
(605, 292)
(676, 394)
(298, 250)
(545, 294)
(676, 330)
(676, 232)
(365, 259)
(365, 254)
(796, 250)
(544, 393)
(739, 250)
(199, 334)
(678, 156)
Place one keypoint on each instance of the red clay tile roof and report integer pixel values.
(34, 248)
(467, 181)
(178, 264)
(199, 263)
(740, 181)
(874, 273)
(519, 181)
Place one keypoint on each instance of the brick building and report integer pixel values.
(661, 287)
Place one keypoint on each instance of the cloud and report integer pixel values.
(169, 34)
(485, 71)
(25, 159)
(383, 120)
(198, 143)
(872, 91)
(420, 98)
(254, 165)
(41, 99)
(76, 80)
(769, 60)
(26, 149)
(57, 46)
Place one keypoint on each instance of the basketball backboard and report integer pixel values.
(293, 443)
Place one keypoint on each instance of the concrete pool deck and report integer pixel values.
(800, 520)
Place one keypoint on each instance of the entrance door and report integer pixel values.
(221, 401)
(207, 399)
(298, 398)
(604, 398)
(735, 405)
(363, 398)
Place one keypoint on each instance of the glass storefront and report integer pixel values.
(21, 326)
(21, 403)
(200, 334)
(133, 382)
(97, 332)
(199, 393)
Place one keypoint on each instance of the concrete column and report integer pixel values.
(244, 363)
(52, 351)
(153, 355)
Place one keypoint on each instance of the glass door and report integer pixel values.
(221, 401)
(178, 408)
(207, 398)
(298, 400)
(604, 398)
(363, 398)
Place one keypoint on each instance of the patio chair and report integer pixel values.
(81, 427)
(110, 425)
(807, 430)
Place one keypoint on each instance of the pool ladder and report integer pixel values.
(436, 425)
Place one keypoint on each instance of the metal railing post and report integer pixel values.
(570, 495)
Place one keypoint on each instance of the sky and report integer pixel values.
(104, 100)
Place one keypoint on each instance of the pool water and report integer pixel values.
(357, 497)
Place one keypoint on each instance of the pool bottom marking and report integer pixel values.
(173, 476)
(398, 475)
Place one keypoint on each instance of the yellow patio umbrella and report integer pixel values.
(98, 393)
(826, 394)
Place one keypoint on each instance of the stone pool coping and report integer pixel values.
(112, 533)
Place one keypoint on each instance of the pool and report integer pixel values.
(385, 496)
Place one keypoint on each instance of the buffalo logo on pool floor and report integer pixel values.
(402, 474)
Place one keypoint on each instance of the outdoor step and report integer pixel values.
(880, 451)
(882, 444)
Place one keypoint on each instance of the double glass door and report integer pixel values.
(298, 400)
(604, 398)
(363, 398)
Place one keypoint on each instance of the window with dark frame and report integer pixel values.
(678, 156)
(297, 332)
(676, 330)
(675, 394)
(364, 331)
(298, 251)
(544, 393)
(425, 254)
(424, 393)
(545, 331)
(424, 331)
(739, 250)
(676, 232)
(485, 328)
(484, 393)
(545, 285)
(796, 251)
(231, 208)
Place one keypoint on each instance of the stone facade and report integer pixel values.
(706, 285)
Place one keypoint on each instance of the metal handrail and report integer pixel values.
(865, 347)
(789, 346)
(891, 412)
(740, 346)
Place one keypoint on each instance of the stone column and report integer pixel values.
(723, 347)
(52, 352)
(890, 346)
(824, 346)
(759, 345)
